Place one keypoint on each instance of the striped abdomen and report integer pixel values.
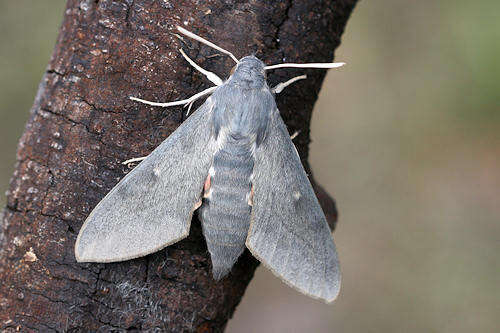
(225, 214)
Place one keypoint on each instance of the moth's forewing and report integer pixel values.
(151, 207)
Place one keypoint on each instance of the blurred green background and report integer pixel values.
(406, 137)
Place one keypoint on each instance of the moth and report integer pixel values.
(234, 159)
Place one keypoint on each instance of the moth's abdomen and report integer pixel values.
(225, 214)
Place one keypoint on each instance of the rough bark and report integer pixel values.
(82, 125)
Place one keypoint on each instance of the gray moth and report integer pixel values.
(235, 161)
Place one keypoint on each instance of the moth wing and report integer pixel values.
(288, 230)
(152, 206)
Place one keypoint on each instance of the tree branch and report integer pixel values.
(82, 125)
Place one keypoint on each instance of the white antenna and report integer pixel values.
(206, 42)
(312, 65)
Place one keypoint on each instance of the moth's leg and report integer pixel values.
(294, 135)
(181, 102)
(133, 160)
(189, 108)
(211, 76)
(187, 102)
(279, 88)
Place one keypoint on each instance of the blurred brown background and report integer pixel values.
(407, 138)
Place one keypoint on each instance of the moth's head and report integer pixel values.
(249, 71)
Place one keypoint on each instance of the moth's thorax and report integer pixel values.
(241, 106)
(249, 73)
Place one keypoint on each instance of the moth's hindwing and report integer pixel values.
(288, 230)
(152, 206)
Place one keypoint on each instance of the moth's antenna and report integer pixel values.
(312, 65)
(206, 42)
(279, 88)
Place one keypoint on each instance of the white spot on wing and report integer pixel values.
(296, 195)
